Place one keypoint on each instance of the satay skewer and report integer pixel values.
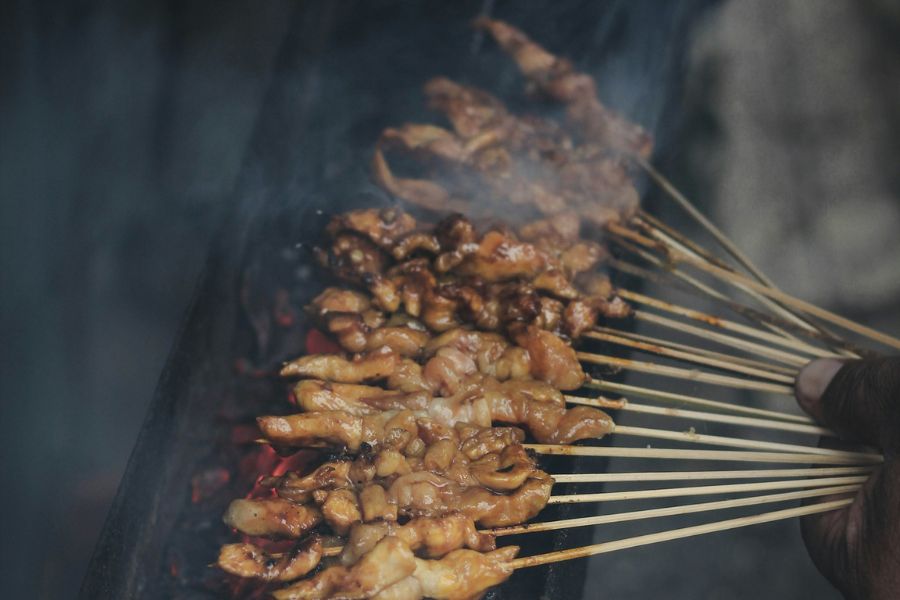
(702, 490)
(733, 442)
(760, 349)
(626, 238)
(664, 238)
(690, 357)
(727, 407)
(700, 218)
(726, 325)
(669, 276)
(707, 475)
(686, 374)
(802, 305)
(674, 534)
(623, 404)
(652, 513)
(704, 352)
(710, 455)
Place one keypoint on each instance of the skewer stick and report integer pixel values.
(717, 455)
(624, 236)
(654, 394)
(726, 340)
(775, 294)
(667, 276)
(674, 534)
(637, 515)
(628, 406)
(731, 442)
(690, 357)
(720, 323)
(703, 490)
(698, 475)
(700, 218)
(670, 511)
(672, 239)
(689, 374)
(732, 358)
(649, 222)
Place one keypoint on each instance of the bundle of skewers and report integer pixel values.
(462, 351)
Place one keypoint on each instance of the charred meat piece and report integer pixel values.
(557, 79)
(383, 226)
(271, 517)
(431, 537)
(247, 560)
(391, 571)
(370, 366)
(552, 360)
(387, 563)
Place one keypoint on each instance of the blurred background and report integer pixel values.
(124, 127)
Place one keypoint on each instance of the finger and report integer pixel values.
(858, 399)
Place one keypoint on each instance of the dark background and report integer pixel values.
(124, 127)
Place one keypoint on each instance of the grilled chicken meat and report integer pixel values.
(391, 571)
(271, 517)
(247, 560)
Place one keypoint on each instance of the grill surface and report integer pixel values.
(344, 72)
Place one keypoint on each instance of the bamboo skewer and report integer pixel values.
(688, 374)
(670, 511)
(647, 513)
(654, 394)
(731, 358)
(811, 309)
(628, 406)
(667, 275)
(698, 475)
(712, 455)
(725, 324)
(674, 534)
(723, 339)
(700, 218)
(730, 442)
(690, 357)
(624, 236)
(696, 252)
(703, 490)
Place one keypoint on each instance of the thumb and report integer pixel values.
(858, 399)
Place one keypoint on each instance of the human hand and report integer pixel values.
(858, 547)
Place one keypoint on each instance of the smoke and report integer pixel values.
(130, 129)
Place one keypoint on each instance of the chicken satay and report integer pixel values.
(247, 560)
(340, 508)
(271, 517)
(384, 226)
(418, 241)
(431, 537)
(551, 359)
(428, 494)
(331, 475)
(387, 563)
(340, 429)
(368, 366)
(463, 574)
(420, 192)
(558, 79)
(391, 571)
(501, 257)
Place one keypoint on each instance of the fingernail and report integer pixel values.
(813, 380)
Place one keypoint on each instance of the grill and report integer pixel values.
(344, 71)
